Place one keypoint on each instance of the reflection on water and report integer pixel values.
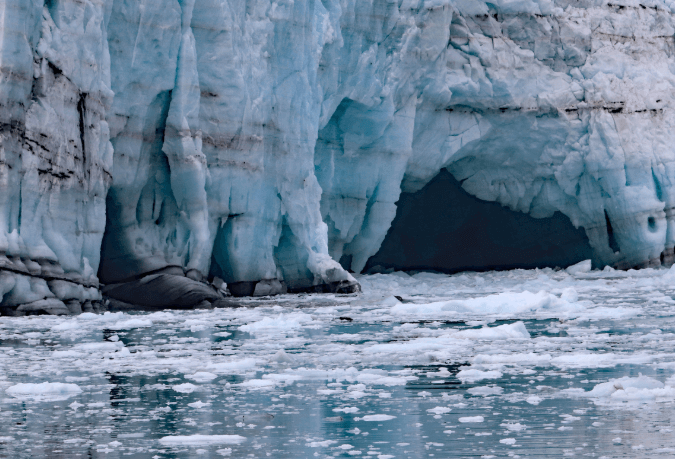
(343, 376)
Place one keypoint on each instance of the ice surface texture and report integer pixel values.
(262, 141)
(55, 153)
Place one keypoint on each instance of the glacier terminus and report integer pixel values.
(192, 146)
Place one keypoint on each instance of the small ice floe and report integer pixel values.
(198, 440)
(582, 267)
(513, 427)
(202, 376)
(45, 391)
(320, 444)
(185, 388)
(346, 409)
(281, 324)
(282, 357)
(467, 419)
(376, 417)
(439, 410)
(641, 389)
(534, 400)
(509, 331)
(233, 366)
(129, 324)
(198, 404)
(469, 375)
(501, 304)
(256, 384)
(486, 391)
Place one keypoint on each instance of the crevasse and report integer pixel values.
(257, 142)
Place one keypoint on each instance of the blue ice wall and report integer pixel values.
(257, 142)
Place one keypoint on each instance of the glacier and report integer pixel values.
(213, 145)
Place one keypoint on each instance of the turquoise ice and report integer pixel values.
(258, 142)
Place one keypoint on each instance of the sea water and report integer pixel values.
(536, 363)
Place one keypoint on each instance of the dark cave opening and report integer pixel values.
(444, 228)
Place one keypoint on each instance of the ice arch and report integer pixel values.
(443, 228)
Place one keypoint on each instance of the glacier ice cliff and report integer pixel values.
(258, 142)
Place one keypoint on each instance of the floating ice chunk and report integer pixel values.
(468, 419)
(320, 444)
(668, 276)
(486, 390)
(470, 375)
(599, 360)
(189, 440)
(258, 384)
(87, 316)
(376, 417)
(67, 325)
(569, 295)
(513, 427)
(198, 404)
(281, 324)
(506, 304)
(580, 268)
(75, 405)
(202, 376)
(383, 380)
(346, 409)
(390, 301)
(508, 441)
(452, 339)
(439, 410)
(103, 349)
(282, 357)
(640, 389)
(234, 366)
(534, 400)
(130, 323)
(185, 388)
(609, 313)
(44, 391)
(509, 331)
(529, 358)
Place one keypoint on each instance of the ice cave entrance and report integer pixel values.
(444, 228)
